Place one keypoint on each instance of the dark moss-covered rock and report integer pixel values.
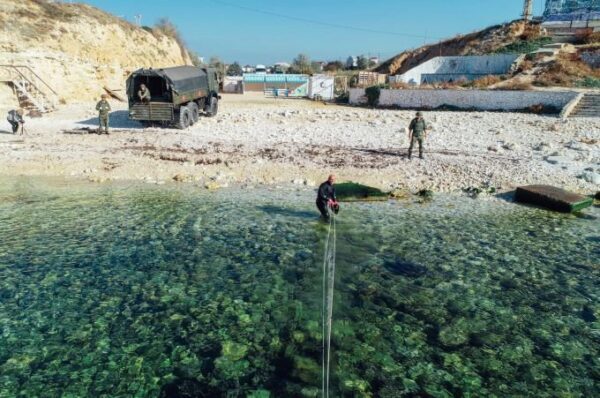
(354, 192)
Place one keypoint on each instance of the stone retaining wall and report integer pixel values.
(491, 100)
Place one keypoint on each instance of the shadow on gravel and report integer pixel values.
(116, 119)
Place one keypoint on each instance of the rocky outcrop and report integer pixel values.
(79, 49)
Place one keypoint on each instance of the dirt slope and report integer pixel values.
(78, 48)
(477, 43)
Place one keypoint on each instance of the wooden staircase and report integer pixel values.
(33, 93)
(589, 106)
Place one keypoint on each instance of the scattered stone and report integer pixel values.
(400, 193)
(212, 185)
(558, 159)
(541, 146)
(591, 177)
(179, 177)
(492, 148)
(509, 146)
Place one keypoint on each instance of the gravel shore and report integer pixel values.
(255, 140)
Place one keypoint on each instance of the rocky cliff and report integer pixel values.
(77, 48)
(477, 43)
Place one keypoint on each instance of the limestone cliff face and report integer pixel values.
(78, 49)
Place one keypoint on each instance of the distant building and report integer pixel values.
(317, 66)
(248, 69)
(281, 68)
(571, 16)
(260, 69)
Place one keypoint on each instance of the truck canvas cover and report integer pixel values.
(181, 78)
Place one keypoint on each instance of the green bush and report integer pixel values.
(373, 94)
(524, 46)
(589, 82)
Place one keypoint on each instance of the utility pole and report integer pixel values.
(138, 19)
(527, 10)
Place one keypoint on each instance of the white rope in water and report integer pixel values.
(327, 311)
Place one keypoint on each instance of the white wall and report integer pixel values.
(462, 66)
(322, 86)
(467, 99)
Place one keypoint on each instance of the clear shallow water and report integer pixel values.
(144, 291)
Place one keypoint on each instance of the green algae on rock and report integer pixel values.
(354, 192)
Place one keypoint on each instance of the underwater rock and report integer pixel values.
(186, 388)
(425, 194)
(405, 268)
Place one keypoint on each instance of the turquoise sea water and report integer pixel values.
(170, 291)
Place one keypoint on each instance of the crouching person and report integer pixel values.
(15, 118)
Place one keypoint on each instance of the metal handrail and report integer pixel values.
(15, 67)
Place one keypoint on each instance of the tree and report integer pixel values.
(301, 64)
(333, 66)
(235, 70)
(215, 62)
(362, 62)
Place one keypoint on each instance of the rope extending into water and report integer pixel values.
(327, 311)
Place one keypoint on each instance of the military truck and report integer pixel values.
(178, 95)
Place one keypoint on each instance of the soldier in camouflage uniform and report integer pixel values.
(103, 108)
(417, 131)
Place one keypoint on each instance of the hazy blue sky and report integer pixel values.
(255, 31)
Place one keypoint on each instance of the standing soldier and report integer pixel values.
(15, 118)
(417, 131)
(103, 107)
(144, 94)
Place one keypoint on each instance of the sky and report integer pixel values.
(268, 31)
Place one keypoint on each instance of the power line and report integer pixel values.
(311, 21)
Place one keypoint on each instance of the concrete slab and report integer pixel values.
(552, 198)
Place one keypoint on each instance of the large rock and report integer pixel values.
(552, 198)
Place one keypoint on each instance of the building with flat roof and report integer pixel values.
(572, 16)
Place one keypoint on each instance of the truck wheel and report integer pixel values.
(193, 107)
(184, 118)
(213, 107)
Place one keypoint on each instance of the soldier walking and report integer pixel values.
(417, 131)
(103, 108)
(15, 118)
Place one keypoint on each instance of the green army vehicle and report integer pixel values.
(177, 95)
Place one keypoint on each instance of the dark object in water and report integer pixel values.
(587, 314)
(552, 198)
(426, 194)
(405, 268)
(186, 388)
(353, 192)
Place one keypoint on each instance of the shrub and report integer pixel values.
(516, 85)
(567, 70)
(484, 81)
(373, 94)
(588, 82)
(524, 46)
(525, 66)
